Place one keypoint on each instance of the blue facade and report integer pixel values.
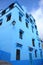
(19, 39)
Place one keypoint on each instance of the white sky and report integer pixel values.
(38, 15)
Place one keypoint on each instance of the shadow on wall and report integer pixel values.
(5, 60)
(5, 56)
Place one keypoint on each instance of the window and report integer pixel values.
(32, 28)
(27, 24)
(0, 22)
(27, 15)
(39, 44)
(13, 22)
(35, 53)
(34, 20)
(31, 20)
(36, 32)
(33, 42)
(3, 12)
(21, 33)
(35, 27)
(20, 18)
(19, 45)
(8, 17)
(17, 54)
(11, 6)
(30, 49)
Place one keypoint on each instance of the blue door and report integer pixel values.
(30, 58)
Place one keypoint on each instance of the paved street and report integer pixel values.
(4, 63)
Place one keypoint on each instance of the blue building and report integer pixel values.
(19, 39)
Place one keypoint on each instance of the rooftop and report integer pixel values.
(15, 4)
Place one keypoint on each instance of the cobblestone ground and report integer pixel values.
(4, 63)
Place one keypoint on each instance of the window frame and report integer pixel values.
(21, 34)
(8, 17)
(33, 42)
